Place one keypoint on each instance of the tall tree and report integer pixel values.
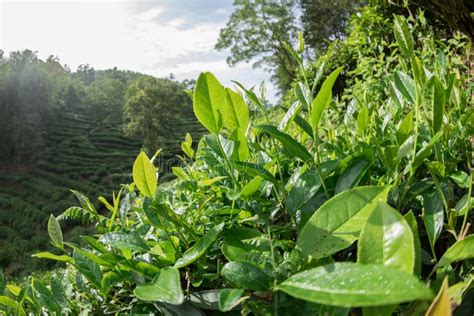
(256, 31)
(154, 107)
(325, 21)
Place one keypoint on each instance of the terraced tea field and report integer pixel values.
(85, 154)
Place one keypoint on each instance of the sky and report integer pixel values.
(156, 37)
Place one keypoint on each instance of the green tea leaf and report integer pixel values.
(352, 176)
(403, 36)
(247, 276)
(289, 143)
(144, 175)
(209, 101)
(355, 285)
(206, 299)
(433, 215)
(45, 298)
(52, 256)
(13, 305)
(411, 221)
(435, 99)
(54, 231)
(165, 288)
(460, 178)
(255, 170)
(251, 187)
(323, 98)
(229, 298)
(461, 250)
(387, 239)
(405, 85)
(338, 222)
(200, 247)
(235, 112)
(405, 128)
(88, 268)
(242, 244)
(425, 152)
(363, 120)
(123, 240)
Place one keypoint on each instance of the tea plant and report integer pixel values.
(335, 209)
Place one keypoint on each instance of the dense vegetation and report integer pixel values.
(62, 131)
(355, 199)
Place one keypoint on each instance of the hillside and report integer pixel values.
(92, 156)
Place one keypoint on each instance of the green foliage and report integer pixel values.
(258, 30)
(274, 232)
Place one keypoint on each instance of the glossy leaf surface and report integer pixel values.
(351, 284)
(387, 239)
(338, 222)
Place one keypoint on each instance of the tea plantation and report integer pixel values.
(83, 154)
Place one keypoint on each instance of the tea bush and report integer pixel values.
(335, 210)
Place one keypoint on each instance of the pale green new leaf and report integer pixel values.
(461, 250)
(235, 112)
(323, 98)
(387, 239)
(403, 37)
(166, 288)
(209, 101)
(144, 175)
(338, 222)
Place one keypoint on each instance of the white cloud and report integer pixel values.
(108, 34)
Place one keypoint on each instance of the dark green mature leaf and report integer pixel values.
(45, 298)
(88, 268)
(405, 85)
(200, 247)
(229, 298)
(165, 288)
(247, 276)
(323, 98)
(403, 36)
(433, 215)
(338, 222)
(206, 299)
(289, 143)
(241, 244)
(435, 100)
(461, 250)
(144, 175)
(209, 102)
(352, 176)
(54, 231)
(305, 187)
(351, 284)
(255, 170)
(123, 240)
(387, 239)
(411, 220)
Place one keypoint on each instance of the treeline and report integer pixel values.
(34, 92)
(259, 31)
